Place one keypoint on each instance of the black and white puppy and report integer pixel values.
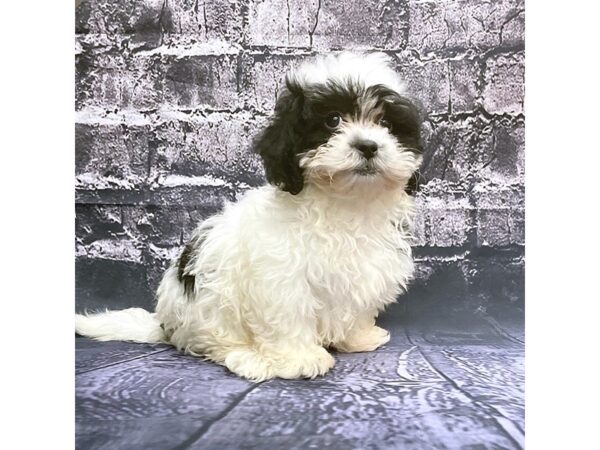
(308, 261)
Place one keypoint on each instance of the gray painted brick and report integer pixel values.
(218, 145)
(488, 195)
(110, 76)
(113, 77)
(451, 148)
(499, 227)
(150, 23)
(447, 220)
(439, 26)
(429, 82)
(474, 149)
(112, 155)
(502, 160)
(204, 80)
(324, 25)
(262, 76)
(465, 88)
(357, 24)
(98, 222)
(442, 85)
(281, 23)
(163, 226)
(167, 150)
(504, 84)
(500, 214)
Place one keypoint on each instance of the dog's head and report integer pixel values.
(342, 122)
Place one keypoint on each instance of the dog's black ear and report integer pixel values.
(282, 140)
(408, 120)
(415, 183)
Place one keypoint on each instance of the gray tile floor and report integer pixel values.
(433, 386)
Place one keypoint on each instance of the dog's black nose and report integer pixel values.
(367, 147)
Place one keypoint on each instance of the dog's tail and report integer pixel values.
(133, 324)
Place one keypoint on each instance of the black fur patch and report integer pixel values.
(168, 332)
(334, 96)
(415, 183)
(283, 139)
(183, 266)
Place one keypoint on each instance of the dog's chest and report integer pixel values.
(354, 265)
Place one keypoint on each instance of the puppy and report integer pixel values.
(307, 262)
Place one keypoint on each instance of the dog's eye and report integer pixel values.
(385, 123)
(333, 121)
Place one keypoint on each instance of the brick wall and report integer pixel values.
(170, 93)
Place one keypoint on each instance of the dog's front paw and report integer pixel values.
(248, 363)
(365, 340)
(293, 363)
(304, 363)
